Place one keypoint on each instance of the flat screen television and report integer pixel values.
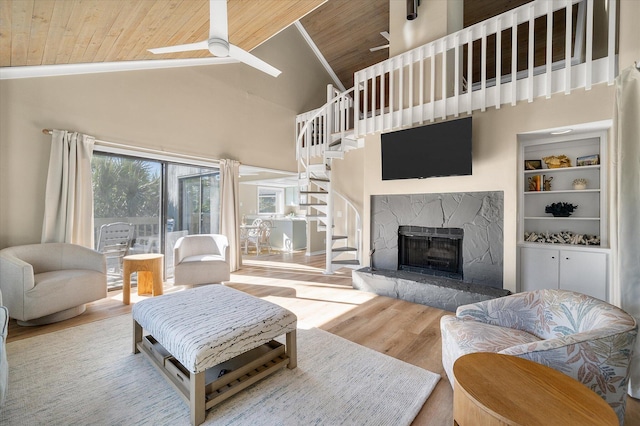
(441, 149)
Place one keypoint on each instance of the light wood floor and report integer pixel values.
(403, 330)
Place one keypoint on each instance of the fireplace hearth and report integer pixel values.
(431, 251)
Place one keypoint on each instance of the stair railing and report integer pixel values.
(429, 82)
(314, 128)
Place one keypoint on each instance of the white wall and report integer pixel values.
(218, 111)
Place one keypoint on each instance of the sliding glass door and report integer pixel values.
(192, 205)
(161, 199)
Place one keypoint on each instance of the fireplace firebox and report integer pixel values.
(432, 251)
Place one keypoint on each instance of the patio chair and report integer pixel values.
(114, 241)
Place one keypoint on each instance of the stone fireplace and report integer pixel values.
(441, 250)
(478, 214)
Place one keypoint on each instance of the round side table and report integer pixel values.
(149, 269)
(495, 389)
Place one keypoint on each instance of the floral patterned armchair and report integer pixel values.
(583, 337)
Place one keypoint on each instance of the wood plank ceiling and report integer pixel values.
(49, 32)
(344, 31)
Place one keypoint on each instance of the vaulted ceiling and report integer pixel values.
(49, 32)
(345, 31)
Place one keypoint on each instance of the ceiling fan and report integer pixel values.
(218, 42)
(384, 34)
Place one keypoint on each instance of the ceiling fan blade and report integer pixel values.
(218, 42)
(201, 45)
(218, 19)
(374, 49)
(243, 56)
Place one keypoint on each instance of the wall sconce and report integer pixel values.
(412, 9)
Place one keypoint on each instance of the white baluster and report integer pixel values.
(456, 76)
(530, 52)
(611, 56)
(514, 58)
(567, 46)
(588, 60)
(433, 82)
(498, 61)
(548, 75)
(483, 69)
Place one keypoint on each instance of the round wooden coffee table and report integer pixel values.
(149, 269)
(495, 389)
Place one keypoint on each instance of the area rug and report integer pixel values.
(88, 375)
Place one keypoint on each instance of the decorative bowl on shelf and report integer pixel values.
(560, 209)
(580, 184)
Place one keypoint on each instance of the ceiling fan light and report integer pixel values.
(219, 47)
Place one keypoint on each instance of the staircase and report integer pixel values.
(444, 79)
(324, 135)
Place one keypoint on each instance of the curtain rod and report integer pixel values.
(146, 150)
(165, 153)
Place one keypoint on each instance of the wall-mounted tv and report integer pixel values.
(441, 149)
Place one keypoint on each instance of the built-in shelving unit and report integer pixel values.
(588, 217)
(571, 265)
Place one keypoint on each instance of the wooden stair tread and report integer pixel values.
(346, 262)
(338, 237)
(344, 249)
(313, 192)
(311, 204)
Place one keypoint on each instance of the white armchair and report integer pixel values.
(45, 283)
(201, 259)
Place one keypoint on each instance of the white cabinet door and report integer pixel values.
(538, 268)
(584, 272)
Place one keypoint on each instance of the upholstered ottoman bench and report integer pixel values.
(211, 342)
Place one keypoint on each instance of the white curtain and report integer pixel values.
(230, 209)
(68, 207)
(626, 203)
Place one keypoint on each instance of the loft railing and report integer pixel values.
(549, 45)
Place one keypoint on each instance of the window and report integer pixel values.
(270, 200)
(164, 201)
